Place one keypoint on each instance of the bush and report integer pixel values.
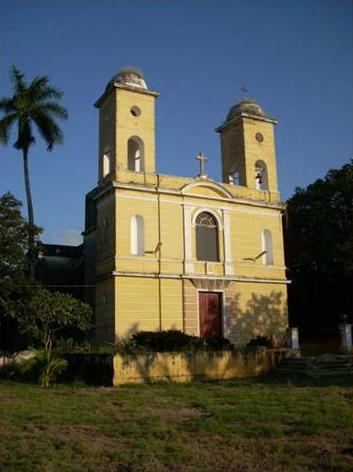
(260, 341)
(174, 340)
(43, 368)
(72, 345)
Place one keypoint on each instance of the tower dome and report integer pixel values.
(247, 105)
(130, 77)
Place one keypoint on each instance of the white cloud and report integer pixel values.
(68, 237)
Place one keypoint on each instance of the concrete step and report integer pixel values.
(327, 365)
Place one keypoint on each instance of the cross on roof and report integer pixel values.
(203, 159)
(243, 90)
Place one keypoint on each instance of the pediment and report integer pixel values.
(206, 189)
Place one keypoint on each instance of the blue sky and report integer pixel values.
(295, 57)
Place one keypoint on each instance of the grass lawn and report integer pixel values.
(255, 425)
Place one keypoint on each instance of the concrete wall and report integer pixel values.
(184, 367)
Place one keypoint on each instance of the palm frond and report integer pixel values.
(50, 92)
(33, 103)
(18, 80)
(7, 105)
(48, 129)
(40, 90)
(5, 127)
(52, 108)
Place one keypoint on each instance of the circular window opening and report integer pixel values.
(135, 111)
(259, 137)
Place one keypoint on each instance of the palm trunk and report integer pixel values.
(31, 252)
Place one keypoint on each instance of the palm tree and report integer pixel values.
(32, 105)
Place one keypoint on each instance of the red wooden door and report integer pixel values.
(210, 313)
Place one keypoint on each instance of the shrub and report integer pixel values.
(43, 368)
(260, 341)
(217, 343)
(71, 345)
(49, 313)
(174, 340)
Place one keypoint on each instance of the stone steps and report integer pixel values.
(317, 366)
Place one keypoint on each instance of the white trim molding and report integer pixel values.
(156, 275)
(228, 265)
(209, 185)
(189, 266)
(213, 211)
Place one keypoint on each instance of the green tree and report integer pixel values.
(31, 106)
(319, 250)
(14, 283)
(49, 313)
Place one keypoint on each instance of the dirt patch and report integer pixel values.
(91, 436)
(182, 414)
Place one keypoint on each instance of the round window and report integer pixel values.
(135, 111)
(259, 137)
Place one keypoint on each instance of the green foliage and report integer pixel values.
(260, 341)
(319, 249)
(72, 345)
(13, 243)
(174, 340)
(14, 281)
(32, 104)
(43, 368)
(48, 313)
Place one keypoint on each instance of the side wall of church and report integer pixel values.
(105, 305)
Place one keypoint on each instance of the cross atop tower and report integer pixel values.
(244, 90)
(203, 159)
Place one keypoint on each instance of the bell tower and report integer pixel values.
(126, 126)
(248, 147)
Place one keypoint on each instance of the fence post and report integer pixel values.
(294, 338)
(346, 337)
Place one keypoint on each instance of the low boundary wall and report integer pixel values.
(118, 369)
(186, 366)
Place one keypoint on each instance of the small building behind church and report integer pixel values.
(170, 252)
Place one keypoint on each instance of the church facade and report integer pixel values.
(168, 252)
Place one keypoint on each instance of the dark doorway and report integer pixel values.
(210, 310)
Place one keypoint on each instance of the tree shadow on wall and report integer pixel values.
(263, 315)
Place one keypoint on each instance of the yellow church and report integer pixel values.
(192, 254)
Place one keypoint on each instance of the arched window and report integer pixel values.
(266, 236)
(137, 236)
(135, 154)
(261, 180)
(106, 163)
(206, 237)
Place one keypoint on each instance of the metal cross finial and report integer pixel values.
(243, 90)
(203, 159)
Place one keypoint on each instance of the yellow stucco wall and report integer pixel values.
(158, 289)
(184, 367)
(104, 308)
(156, 302)
(254, 309)
(147, 304)
(241, 150)
(128, 125)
